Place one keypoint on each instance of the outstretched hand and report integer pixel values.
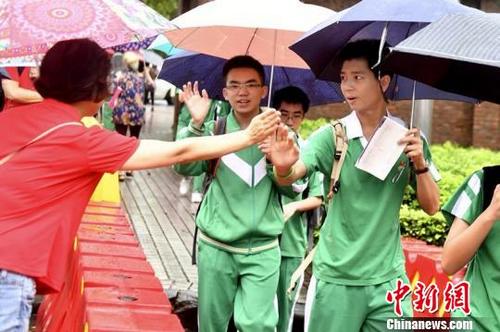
(283, 151)
(197, 103)
(263, 126)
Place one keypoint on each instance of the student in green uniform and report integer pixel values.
(359, 256)
(218, 108)
(474, 239)
(240, 217)
(293, 104)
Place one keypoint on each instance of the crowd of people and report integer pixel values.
(251, 221)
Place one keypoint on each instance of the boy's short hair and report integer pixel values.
(244, 61)
(75, 70)
(365, 49)
(293, 95)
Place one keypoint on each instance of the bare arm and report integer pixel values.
(304, 205)
(464, 241)
(14, 92)
(427, 193)
(427, 189)
(152, 153)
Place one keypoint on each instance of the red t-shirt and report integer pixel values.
(22, 76)
(46, 186)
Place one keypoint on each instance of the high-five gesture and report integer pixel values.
(263, 125)
(283, 152)
(197, 103)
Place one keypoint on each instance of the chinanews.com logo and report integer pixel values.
(426, 298)
(428, 324)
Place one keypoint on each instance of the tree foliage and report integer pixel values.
(167, 8)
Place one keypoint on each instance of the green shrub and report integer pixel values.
(308, 126)
(455, 164)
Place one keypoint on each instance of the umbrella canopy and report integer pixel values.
(22, 61)
(320, 46)
(458, 53)
(207, 70)
(367, 19)
(260, 28)
(163, 45)
(153, 58)
(32, 26)
(134, 46)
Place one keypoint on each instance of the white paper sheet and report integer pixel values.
(383, 150)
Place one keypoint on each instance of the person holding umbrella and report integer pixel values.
(359, 256)
(51, 166)
(17, 86)
(240, 217)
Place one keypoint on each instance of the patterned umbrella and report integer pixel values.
(134, 46)
(32, 26)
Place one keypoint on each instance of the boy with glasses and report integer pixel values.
(240, 217)
(52, 165)
(293, 104)
(359, 256)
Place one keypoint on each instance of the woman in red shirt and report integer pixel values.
(51, 165)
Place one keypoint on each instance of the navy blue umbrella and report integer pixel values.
(368, 19)
(207, 70)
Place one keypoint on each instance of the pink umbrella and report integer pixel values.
(263, 29)
(32, 26)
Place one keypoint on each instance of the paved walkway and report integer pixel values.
(163, 220)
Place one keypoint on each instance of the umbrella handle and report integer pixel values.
(270, 92)
(412, 104)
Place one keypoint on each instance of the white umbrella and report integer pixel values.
(259, 28)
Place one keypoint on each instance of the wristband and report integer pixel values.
(421, 171)
(284, 177)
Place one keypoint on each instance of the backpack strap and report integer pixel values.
(39, 137)
(341, 144)
(213, 164)
(340, 139)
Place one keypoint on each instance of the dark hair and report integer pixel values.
(293, 95)
(140, 69)
(74, 70)
(365, 49)
(244, 61)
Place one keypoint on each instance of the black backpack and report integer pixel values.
(490, 180)
(220, 129)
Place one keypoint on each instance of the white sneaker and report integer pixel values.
(184, 186)
(196, 197)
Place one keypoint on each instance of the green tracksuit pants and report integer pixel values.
(286, 302)
(334, 307)
(236, 283)
(198, 183)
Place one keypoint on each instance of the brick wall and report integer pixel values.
(461, 123)
(452, 121)
(486, 127)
